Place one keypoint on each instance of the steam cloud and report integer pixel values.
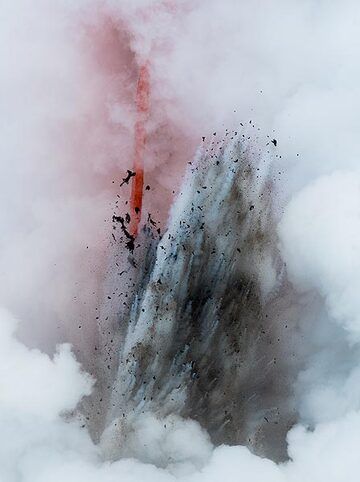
(284, 70)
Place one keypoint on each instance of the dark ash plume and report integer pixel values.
(202, 340)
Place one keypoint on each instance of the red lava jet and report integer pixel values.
(142, 114)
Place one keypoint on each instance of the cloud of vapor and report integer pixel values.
(38, 444)
(320, 234)
(53, 193)
(68, 76)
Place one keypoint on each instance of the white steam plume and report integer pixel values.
(289, 66)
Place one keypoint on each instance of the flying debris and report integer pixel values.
(126, 179)
(195, 343)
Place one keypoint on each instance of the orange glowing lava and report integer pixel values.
(142, 114)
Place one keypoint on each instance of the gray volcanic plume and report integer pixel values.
(202, 339)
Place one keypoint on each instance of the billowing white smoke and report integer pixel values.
(290, 66)
(320, 232)
(53, 198)
(38, 445)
